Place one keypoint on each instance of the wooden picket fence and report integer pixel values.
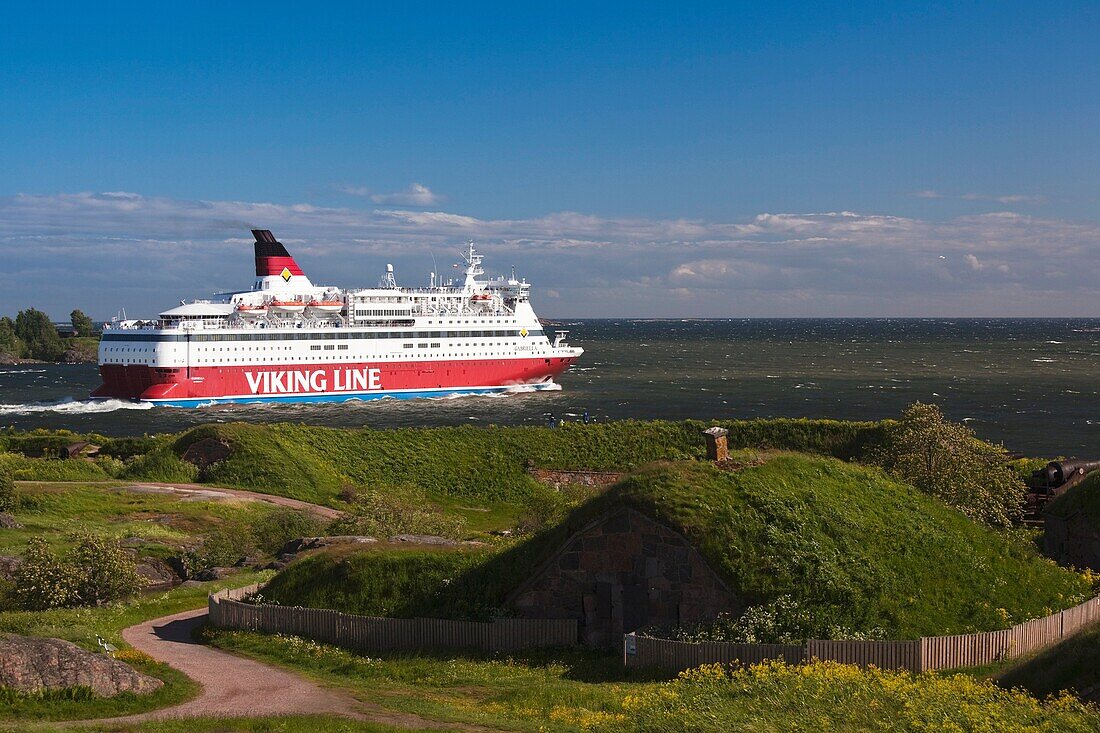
(927, 653)
(372, 634)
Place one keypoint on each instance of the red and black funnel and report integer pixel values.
(272, 257)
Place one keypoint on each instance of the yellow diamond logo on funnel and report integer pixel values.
(523, 332)
(285, 275)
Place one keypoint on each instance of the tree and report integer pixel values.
(82, 324)
(946, 460)
(101, 570)
(9, 342)
(95, 571)
(38, 334)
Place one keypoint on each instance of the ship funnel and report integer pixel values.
(273, 261)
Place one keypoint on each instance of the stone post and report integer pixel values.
(717, 449)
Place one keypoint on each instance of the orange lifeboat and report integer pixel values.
(327, 307)
(251, 312)
(287, 306)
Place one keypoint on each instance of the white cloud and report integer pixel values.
(416, 194)
(1009, 199)
(927, 193)
(102, 251)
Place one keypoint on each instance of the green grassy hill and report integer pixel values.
(856, 549)
(311, 463)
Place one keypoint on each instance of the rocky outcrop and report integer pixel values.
(156, 573)
(30, 664)
(8, 564)
(7, 521)
(207, 452)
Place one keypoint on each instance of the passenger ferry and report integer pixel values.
(288, 340)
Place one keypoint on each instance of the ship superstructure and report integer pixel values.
(288, 340)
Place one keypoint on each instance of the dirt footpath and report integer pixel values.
(238, 687)
(215, 493)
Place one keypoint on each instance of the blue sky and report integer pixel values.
(857, 159)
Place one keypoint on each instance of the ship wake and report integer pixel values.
(71, 406)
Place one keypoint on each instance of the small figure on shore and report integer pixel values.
(552, 422)
(585, 417)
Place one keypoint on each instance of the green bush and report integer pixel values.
(380, 513)
(947, 460)
(160, 465)
(94, 571)
(7, 490)
(829, 696)
(272, 530)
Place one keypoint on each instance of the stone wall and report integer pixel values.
(622, 573)
(558, 479)
(1072, 540)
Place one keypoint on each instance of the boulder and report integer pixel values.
(156, 573)
(207, 452)
(423, 539)
(313, 543)
(213, 574)
(8, 564)
(7, 521)
(30, 664)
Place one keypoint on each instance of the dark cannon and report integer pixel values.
(1057, 474)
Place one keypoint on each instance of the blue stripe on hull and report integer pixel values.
(339, 397)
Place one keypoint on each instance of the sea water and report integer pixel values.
(1031, 384)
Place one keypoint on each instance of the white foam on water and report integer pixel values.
(74, 407)
(22, 371)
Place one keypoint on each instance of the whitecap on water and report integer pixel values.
(74, 407)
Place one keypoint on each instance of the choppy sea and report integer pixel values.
(1033, 384)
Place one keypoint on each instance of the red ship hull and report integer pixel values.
(190, 387)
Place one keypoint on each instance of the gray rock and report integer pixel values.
(7, 521)
(423, 539)
(30, 663)
(313, 543)
(8, 564)
(190, 584)
(213, 574)
(157, 573)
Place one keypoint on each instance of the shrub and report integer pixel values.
(95, 571)
(274, 529)
(7, 490)
(773, 696)
(946, 460)
(160, 465)
(379, 513)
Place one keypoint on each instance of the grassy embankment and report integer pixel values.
(82, 625)
(166, 523)
(866, 553)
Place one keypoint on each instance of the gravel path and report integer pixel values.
(231, 685)
(238, 687)
(215, 493)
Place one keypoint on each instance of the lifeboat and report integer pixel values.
(251, 312)
(287, 306)
(481, 298)
(327, 307)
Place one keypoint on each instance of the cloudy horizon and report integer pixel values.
(105, 251)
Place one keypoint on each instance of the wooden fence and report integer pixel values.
(372, 634)
(927, 653)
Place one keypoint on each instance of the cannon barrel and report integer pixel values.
(1057, 473)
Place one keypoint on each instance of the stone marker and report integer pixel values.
(717, 449)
